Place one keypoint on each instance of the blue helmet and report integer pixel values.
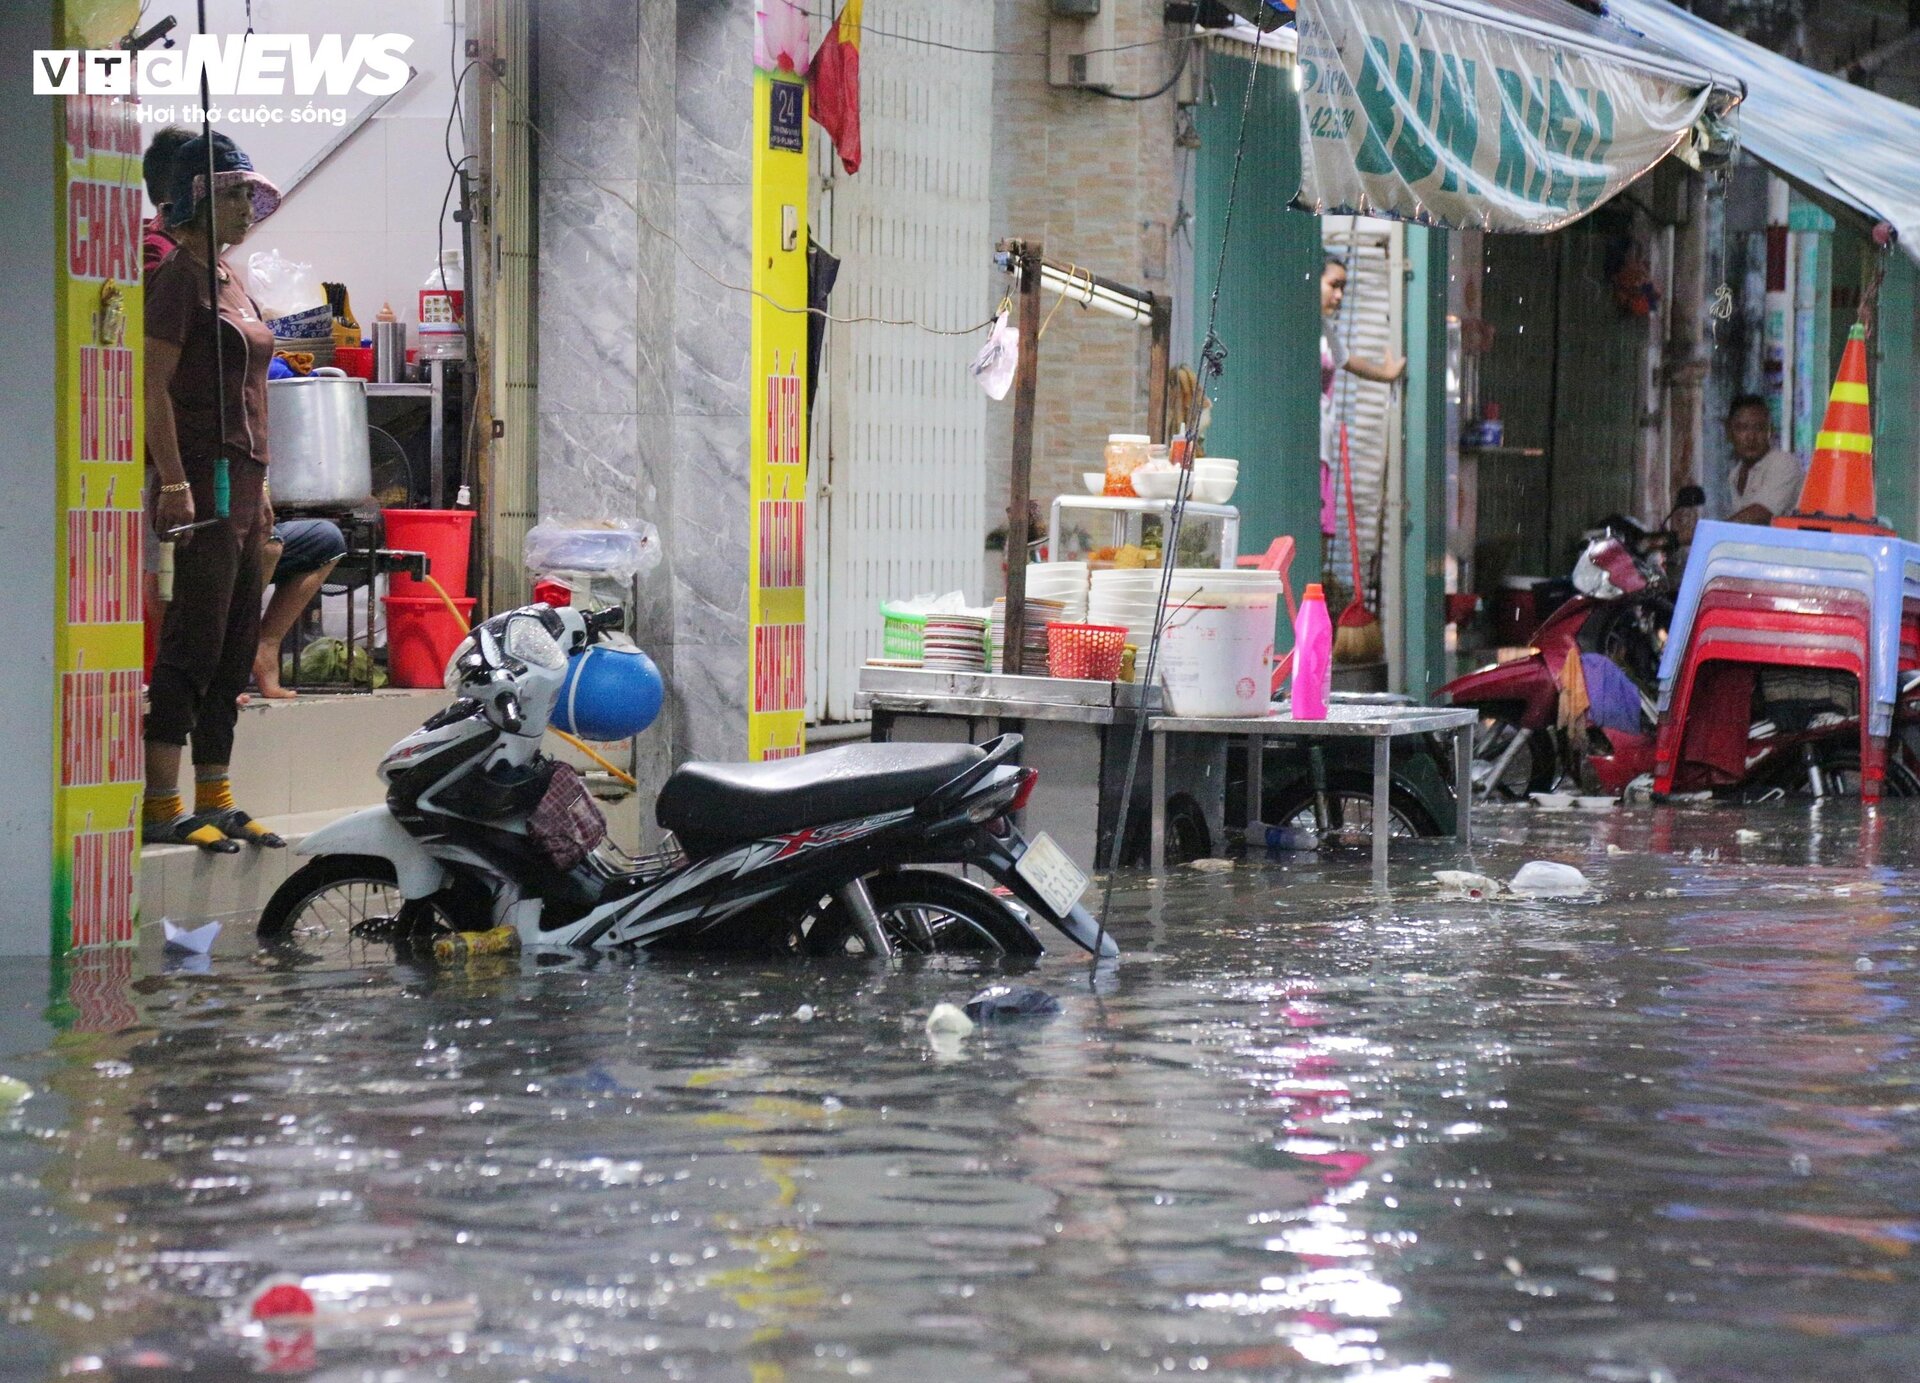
(609, 694)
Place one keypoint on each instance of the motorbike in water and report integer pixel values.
(1803, 731)
(847, 850)
(1620, 610)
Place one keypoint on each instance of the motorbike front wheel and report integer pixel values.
(348, 896)
(923, 912)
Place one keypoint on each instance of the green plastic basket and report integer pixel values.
(905, 633)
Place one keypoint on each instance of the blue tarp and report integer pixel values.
(1835, 139)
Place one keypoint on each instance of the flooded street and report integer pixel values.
(1670, 1130)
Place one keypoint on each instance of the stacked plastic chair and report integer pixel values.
(1827, 587)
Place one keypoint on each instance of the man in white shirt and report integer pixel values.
(1333, 359)
(1765, 481)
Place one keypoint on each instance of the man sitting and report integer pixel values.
(1765, 481)
(297, 560)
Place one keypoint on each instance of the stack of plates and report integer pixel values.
(1062, 582)
(1040, 613)
(310, 331)
(955, 643)
(319, 347)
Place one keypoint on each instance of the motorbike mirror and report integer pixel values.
(1690, 497)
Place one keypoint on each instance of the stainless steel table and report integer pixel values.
(1379, 723)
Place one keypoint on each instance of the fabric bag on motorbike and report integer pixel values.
(566, 824)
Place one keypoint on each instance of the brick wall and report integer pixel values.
(1094, 180)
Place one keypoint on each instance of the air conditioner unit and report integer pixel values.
(1080, 43)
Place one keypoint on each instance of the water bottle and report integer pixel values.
(443, 310)
(1312, 656)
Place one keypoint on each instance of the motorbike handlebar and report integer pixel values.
(608, 621)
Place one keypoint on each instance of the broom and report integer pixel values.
(1357, 637)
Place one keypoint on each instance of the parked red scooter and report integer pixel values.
(1621, 608)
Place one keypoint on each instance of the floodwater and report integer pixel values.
(1668, 1131)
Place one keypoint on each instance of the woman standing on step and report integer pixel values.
(208, 642)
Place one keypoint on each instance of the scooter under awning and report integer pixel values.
(1500, 115)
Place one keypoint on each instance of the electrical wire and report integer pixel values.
(589, 177)
(867, 30)
(1179, 71)
(1213, 359)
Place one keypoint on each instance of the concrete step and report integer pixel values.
(186, 884)
(318, 752)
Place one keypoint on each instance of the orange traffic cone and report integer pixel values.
(1838, 494)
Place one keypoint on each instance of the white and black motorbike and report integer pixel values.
(847, 850)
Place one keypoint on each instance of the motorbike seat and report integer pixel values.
(710, 806)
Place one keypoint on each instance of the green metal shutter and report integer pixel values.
(1267, 412)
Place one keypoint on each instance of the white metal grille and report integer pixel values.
(899, 426)
(1369, 325)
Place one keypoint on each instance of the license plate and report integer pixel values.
(1056, 878)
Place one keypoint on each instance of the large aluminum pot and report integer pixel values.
(318, 431)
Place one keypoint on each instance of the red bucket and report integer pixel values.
(421, 636)
(445, 535)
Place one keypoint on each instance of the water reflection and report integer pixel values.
(1667, 1131)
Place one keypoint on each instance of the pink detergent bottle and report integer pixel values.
(1312, 656)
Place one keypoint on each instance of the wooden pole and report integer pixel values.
(1159, 354)
(1026, 383)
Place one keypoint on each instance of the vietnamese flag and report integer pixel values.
(835, 79)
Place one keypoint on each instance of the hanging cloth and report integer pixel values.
(835, 79)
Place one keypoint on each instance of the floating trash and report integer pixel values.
(1000, 1003)
(1548, 879)
(1461, 883)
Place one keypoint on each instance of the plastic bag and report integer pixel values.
(999, 1003)
(283, 286)
(1548, 879)
(993, 367)
(592, 548)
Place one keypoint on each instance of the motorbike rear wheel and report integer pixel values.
(923, 912)
(1350, 811)
(342, 897)
(1839, 766)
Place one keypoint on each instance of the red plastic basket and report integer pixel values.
(1088, 651)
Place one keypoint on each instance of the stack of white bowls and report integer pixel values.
(1157, 484)
(1064, 582)
(1131, 598)
(1126, 598)
(1215, 478)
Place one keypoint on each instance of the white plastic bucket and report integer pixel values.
(1216, 653)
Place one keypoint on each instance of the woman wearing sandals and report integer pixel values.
(208, 641)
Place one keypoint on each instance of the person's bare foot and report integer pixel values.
(266, 676)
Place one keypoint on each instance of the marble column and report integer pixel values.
(645, 108)
(713, 161)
